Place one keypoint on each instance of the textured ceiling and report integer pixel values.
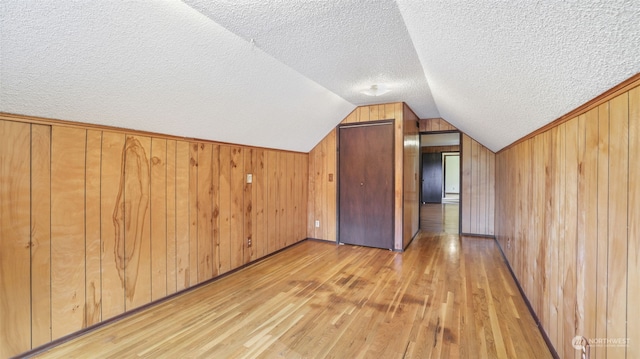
(158, 66)
(499, 70)
(495, 69)
(344, 45)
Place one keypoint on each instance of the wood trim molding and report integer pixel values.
(620, 88)
(91, 126)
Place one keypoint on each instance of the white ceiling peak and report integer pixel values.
(344, 45)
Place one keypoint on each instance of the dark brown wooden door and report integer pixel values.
(366, 185)
(432, 177)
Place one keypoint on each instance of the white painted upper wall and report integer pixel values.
(497, 70)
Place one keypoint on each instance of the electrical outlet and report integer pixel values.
(248, 242)
(508, 243)
(317, 223)
(249, 178)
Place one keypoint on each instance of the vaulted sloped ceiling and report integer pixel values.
(282, 73)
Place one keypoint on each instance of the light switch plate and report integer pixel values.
(249, 178)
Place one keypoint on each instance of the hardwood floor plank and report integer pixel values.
(446, 296)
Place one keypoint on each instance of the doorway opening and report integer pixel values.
(440, 182)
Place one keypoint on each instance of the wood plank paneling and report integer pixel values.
(250, 252)
(586, 266)
(466, 185)
(633, 270)
(435, 125)
(112, 224)
(93, 286)
(205, 212)
(586, 243)
(215, 205)
(272, 201)
(158, 213)
(15, 217)
(119, 220)
(330, 179)
(618, 222)
(193, 214)
(41, 234)
(225, 209)
(478, 188)
(570, 235)
(172, 254)
(259, 203)
(183, 211)
(411, 180)
(68, 156)
(236, 225)
(137, 232)
(399, 176)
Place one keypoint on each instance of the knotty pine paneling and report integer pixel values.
(478, 188)
(119, 220)
(567, 217)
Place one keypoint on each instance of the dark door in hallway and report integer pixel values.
(366, 185)
(431, 178)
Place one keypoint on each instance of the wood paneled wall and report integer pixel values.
(436, 149)
(435, 125)
(322, 168)
(478, 188)
(411, 169)
(568, 220)
(96, 222)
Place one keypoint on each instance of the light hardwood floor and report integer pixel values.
(445, 297)
(440, 217)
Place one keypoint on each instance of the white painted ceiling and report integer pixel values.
(495, 69)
